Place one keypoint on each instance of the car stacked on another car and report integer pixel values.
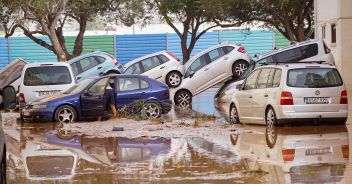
(86, 100)
(94, 64)
(210, 67)
(162, 66)
(284, 93)
(310, 50)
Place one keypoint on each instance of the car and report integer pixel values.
(209, 67)
(307, 51)
(86, 99)
(286, 93)
(2, 146)
(44, 79)
(94, 64)
(162, 66)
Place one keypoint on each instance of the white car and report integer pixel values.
(162, 66)
(284, 93)
(210, 67)
(44, 79)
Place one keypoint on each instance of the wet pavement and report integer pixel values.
(38, 153)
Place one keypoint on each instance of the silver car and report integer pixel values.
(278, 94)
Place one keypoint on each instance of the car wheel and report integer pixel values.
(173, 79)
(3, 167)
(270, 117)
(183, 98)
(271, 135)
(234, 119)
(65, 114)
(238, 68)
(151, 110)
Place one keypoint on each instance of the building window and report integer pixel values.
(323, 32)
(333, 33)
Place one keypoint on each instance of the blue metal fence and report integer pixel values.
(4, 52)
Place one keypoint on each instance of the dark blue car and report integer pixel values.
(87, 100)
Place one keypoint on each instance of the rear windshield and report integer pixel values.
(314, 78)
(53, 75)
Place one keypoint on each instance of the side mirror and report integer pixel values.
(191, 73)
(239, 86)
(9, 97)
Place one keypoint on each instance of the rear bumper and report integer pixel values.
(312, 120)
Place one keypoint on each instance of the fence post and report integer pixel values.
(274, 44)
(8, 49)
(167, 41)
(115, 52)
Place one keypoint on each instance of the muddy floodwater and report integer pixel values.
(219, 153)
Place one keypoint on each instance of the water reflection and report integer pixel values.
(303, 154)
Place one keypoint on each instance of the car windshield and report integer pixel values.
(251, 68)
(314, 78)
(79, 87)
(47, 75)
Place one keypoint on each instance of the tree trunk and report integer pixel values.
(61, 55)
(185, 53)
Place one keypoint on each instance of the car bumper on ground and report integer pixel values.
(37, 115)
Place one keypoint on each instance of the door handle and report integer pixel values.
(143, 93)
(250, 97)
(226, 58)
(99, 97)
(100, 67)
(206, 69)
(162, 67)
(266, 95)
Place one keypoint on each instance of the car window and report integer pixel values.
(263, 78)
(289, 55)
(150, 63)
(255, 65)
(197, 65)
(251, 80)
(100, 59)
(277, 78)
(88, 63)
(215, 54)
(99, 87)
(134, 69)
(53, 75)
(314, 77)
(128, 83)
(76, 68)
(227, 49)
(144, 84)
(270, 78)
(308, 51)
(163, 58)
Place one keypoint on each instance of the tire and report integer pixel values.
(173, 79)
(270, 117)
(65, 114)
(111, 73)
(271, 135)
(238, 68)
(234, 118)
(3, 167)
(183, 98)
(151, 110)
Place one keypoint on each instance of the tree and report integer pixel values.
(196, 16)
(48, 18)
(293, 19)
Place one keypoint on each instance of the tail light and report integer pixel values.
(286, 98)
(288, 154)
(343, 98)
(173, 56)
(345, 151)
(21, 98)
(116, 62)
(241, 50)
(113, 59)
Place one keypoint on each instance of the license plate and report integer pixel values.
(25, 113)
(46, 93)
(319, 151)
(316, 100)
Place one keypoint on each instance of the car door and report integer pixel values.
(218, 59)
(89, 67)
(153, 67)
(261, 94)
(199, 74)
(130, 90)
(92, 100)
(245, 98)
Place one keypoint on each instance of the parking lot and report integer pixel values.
(207, 151)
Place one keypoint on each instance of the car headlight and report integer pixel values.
(39, 106)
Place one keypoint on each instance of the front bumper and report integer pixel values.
(37, 115)
(166, 106)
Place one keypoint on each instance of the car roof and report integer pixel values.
(38, 64)
(128, 64)
(294, 45)
(297, 65)
(119, 75)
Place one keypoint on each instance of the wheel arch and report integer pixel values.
(180, 90)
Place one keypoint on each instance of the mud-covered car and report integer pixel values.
(87, 99)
